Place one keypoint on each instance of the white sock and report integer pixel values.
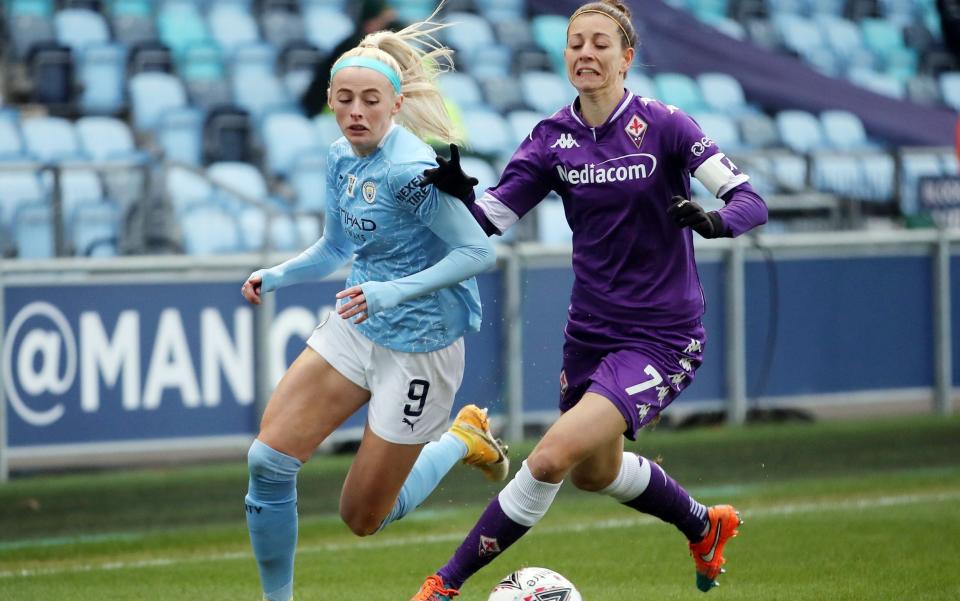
(525, 499)
(631, 481)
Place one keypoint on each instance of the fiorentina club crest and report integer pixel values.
(636, 128)
(488, 546)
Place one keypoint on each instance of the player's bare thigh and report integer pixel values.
(587, 429)
(376, 476)
(310, 402)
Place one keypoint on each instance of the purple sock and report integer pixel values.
(492, 534)
(665, 499)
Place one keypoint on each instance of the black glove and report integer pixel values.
(450, 178)
(687, 213)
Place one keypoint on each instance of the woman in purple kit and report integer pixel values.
(634, 337)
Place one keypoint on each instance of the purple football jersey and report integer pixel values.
(632, 263)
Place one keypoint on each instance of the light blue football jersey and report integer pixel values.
(386, 216)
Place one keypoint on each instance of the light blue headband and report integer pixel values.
(369, 63)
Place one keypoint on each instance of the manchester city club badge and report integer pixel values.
(369, 190)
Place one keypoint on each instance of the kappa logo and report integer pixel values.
(566, 141)
(636, 128)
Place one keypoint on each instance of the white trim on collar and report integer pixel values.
(613, 116)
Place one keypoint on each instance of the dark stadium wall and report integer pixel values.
(673, 40)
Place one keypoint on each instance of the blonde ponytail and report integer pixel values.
(416, 55)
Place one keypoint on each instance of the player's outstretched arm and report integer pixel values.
(450, 178)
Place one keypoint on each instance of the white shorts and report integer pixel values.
(411, 394)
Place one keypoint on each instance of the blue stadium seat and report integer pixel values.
(760, 169)
(179, 133)
(550, 34)
(759, 131)
(102, 74)
(837, 173)
(240, 177)
(844, 38)
(78, 28)
(640, 84)
(180, 25)
(461, 88)
(33, 231)
(202, 69)
(494, 60)
(546, 93)
(326, 27)
(501, 10)
(468, 34)
(799, 34)
(253, 59)
(878, 176)
(51, 70)
(879, 83)
(789, 172)
(487, 132)
(19, 188)
(721, 128)
(522, 124)
(209, 229)
(260, 93)
(11, 144)
(185, 188)
(95, 229)
(679, 90)
(285, 137)
(132, 21)
(50, 139)
(411, 11)
(800, 130)
(78, 187)
(231, 25)
(308, 178)
(281, 27)
(722, 92)
(254, 224)
(843, 130)
(503, 94)
(151, 94)
(29, 23)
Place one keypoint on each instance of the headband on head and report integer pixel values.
(600, 12)
(368, 63)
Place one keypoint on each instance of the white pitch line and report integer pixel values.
(609, 524)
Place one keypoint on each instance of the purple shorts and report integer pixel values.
(640, 370)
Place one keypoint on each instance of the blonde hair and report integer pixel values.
(417, 57)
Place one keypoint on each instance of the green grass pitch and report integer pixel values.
(838, 511)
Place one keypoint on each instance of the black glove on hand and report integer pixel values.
(450, 178)
(687, 213)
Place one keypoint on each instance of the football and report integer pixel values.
(534, 584)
